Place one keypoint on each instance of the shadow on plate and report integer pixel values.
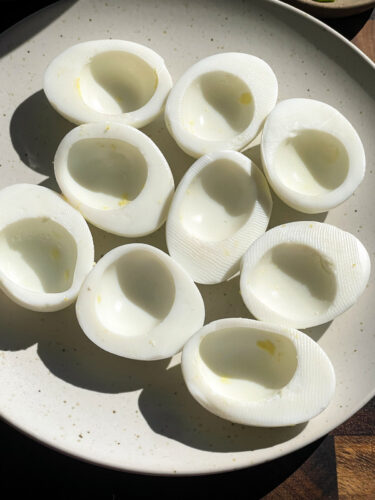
(223, 300)
(68, 353)
(171, 411)
(316, 332)
(282, 214)
(178, 161)
(21, 33)
(36, 130)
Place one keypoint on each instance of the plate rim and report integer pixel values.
(331, 10)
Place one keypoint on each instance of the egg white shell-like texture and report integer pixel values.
(220, 207)
(113, 80)
(256, 373)
(312, 155)
(140, 304)
(303, 274)
(116, 176)
(220, 103)
(46, 248)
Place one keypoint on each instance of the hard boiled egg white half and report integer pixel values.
(138, 303)
(256, 373)
(303, 274)
(46, 248)
(116, 176)
(220, 103)
(220, 207)
(312, 156)
(112, 80)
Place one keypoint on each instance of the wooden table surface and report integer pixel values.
(340, 465)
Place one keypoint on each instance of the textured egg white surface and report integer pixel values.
(312, 155)
(139, 415)
(220, 103)
(115, 80)
(256, 373)
(303, 274)
(221, 206)
(116, 176)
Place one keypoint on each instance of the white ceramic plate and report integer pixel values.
(63, 390)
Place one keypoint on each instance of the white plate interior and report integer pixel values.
(62, 389)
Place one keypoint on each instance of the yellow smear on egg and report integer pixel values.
(99, 299)
(267, 345)
(156, 80)
(245, 98)
(55, 253)
(124, 200)
(78, 85)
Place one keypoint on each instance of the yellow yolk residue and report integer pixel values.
(124, 201)
(267, 345)
(55, 253)
(245, 98)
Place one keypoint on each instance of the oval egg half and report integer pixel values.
(220, 207)
(112, 80)
(220, 103)
(116, 176)
(138, 303)
(312, 156)
(46, 248)
(255, 373)
(303, 274)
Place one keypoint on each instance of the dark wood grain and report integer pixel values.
(355, 459)
(365, 39)
(315, 479)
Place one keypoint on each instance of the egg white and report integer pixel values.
(256, 373)
(220, 207)
(220, 103)
(113, 80)
(46, 248)
(139, 303)
(312, 155)
(116, 176)
(303, 274)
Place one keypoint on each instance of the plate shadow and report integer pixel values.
(36, 22)
(171, 411)
(68, 353)
(36, 130)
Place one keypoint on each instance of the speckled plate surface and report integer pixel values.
(63, 390)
